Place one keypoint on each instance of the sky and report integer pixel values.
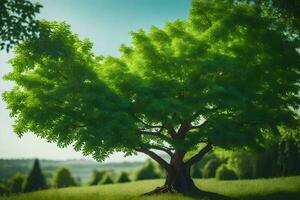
(107, 23)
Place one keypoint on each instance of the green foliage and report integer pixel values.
(209, 170)
(65, 76)
(97, 177)
(244, 163)
(281, 157)
(288, 156)
(147, 171)
(223, 173)
(227, 65)
(35, 179)
(196, 172)
(285, 15)
(63, 178)
(17, 22)
(106, 180)
(4, 191)
(16, 183)
(123, 178)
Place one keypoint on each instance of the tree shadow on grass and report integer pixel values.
(209, 196)
(276, 196)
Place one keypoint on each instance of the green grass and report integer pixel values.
(270, 189)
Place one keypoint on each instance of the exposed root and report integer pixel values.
(160, 190)
(193, 192)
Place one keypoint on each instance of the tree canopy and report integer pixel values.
(17, 22)
(224, 77)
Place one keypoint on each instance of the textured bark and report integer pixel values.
(178, 177)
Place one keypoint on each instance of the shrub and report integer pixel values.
(4, 191)
(63, 178)
(97, 177)
(106, 180)
(210, 168)
(147, 171)
(196, 172)
(243, 162)
(223, 173)
(35, 179)
(123, 178)
(16, 183)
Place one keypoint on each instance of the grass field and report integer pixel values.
(287, 188)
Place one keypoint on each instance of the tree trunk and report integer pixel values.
(180, 180)
(178, 177)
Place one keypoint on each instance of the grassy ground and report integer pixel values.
(270, 189)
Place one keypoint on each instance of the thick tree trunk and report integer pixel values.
(178, 177)
(180, 180)
(177, 180)
(178, 172)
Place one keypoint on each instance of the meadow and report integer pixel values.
(285, 188)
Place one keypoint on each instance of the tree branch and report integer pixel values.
(148, 125)
(184, 127)
(198, 126)
(155, 157)
(171, 131)
(199, 155)
(164, 149)
(155, 134)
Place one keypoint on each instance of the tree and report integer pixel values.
(16, 183)
(63, 178)
(96, 177)
(123, 178)
(209, 170)
(4, 191)
(222, 78)
(106, 180)
(223, 173)
(147, 171)
(17, 22)
(35, 179)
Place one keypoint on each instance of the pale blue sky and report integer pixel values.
(107, 23)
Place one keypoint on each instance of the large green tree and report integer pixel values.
(225, 77)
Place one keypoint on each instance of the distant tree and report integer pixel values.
(243, 162)
(209, 170)
(17, 22)
(196, 172)
(123, 178)
(223, 173)
(106, 180)
(63, 178)
(97, 177)
(35, 179)
(16, 183)
(4, 191)
(147, 171)
(225, 77)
